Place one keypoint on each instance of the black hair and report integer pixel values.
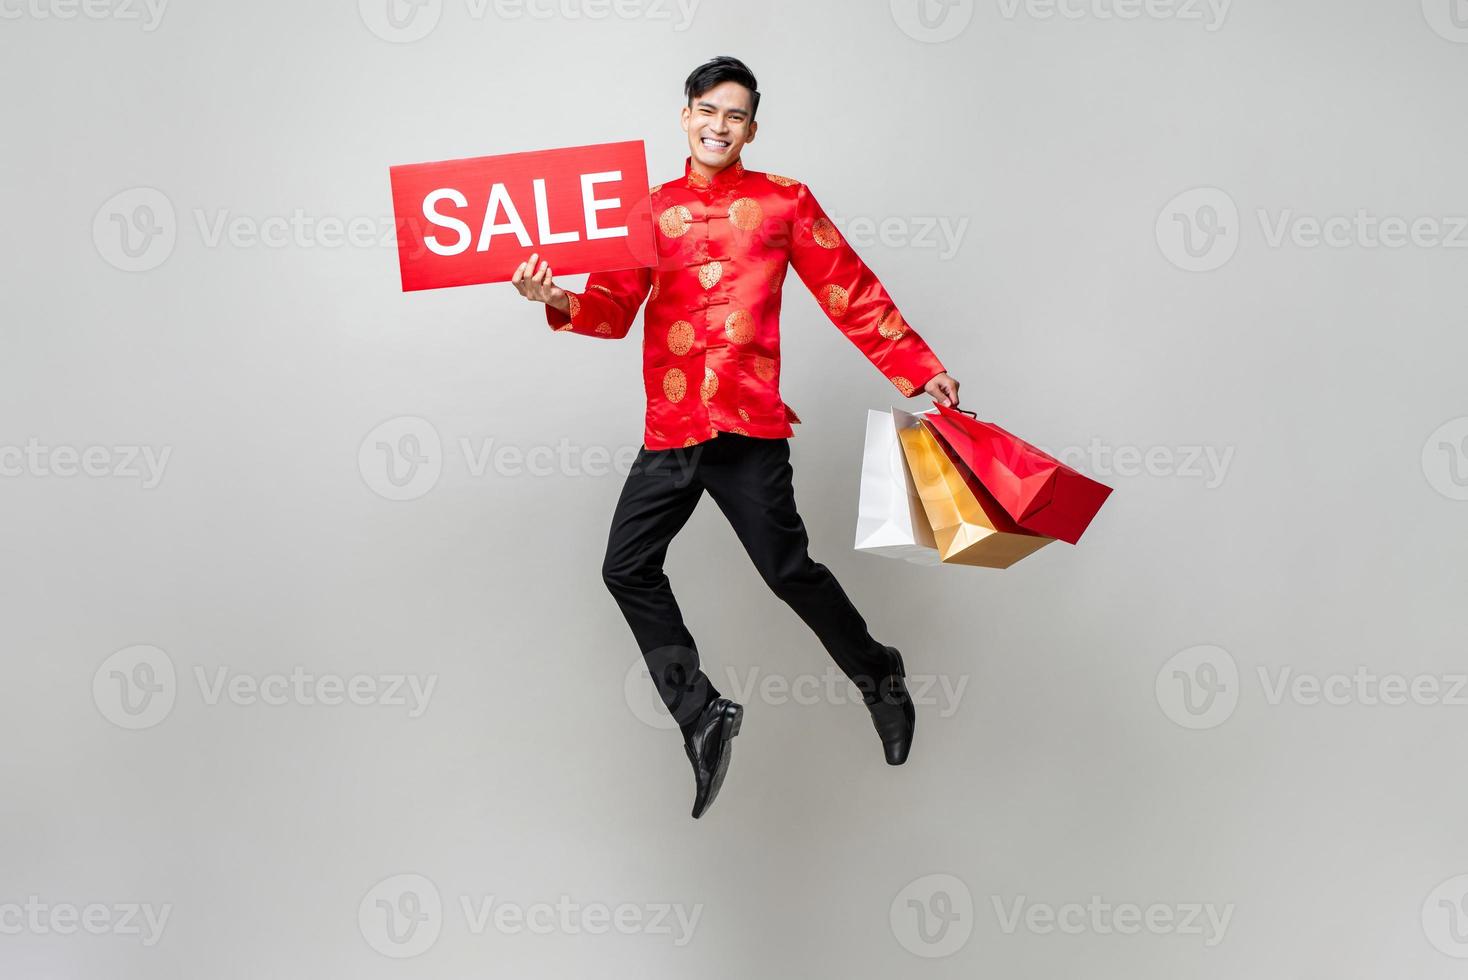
(718, 70)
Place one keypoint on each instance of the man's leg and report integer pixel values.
(751, 483)
(660, 494)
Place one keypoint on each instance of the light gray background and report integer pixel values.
(1070, 767)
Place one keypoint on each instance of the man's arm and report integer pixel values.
(606, 308)
(856, 302)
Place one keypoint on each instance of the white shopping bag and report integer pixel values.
(890, 519)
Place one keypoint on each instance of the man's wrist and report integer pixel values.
(935, 374)
(559, 317)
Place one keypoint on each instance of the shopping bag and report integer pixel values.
(969, 526)
(890, 519)
(1037, 490)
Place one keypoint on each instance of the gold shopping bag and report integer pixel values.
(969, 525)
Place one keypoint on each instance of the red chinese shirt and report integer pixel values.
(711, 337)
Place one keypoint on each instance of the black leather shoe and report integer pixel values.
(708, 749)
(893, 714)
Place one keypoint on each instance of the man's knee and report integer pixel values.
(793, 574)
(616, 574)
(623, 573)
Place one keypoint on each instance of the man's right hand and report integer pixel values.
(536, 284)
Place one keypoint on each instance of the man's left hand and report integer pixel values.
(943, 389)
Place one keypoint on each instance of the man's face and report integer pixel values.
(718, 124)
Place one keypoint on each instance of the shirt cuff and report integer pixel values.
(557, 320)
(913, 384)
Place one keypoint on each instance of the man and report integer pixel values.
(715, 418)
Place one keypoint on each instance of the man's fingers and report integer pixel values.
(944, 392)
(533, 281)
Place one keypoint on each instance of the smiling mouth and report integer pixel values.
(718, 145)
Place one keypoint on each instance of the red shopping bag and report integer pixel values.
(1040, 492)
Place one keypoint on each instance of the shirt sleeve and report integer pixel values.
(855, 301)
(608, 305)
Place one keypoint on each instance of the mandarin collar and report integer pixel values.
(727, 177)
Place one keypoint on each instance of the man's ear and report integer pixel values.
(684, 116)
(753, 128)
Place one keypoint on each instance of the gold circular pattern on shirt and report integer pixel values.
(575, 305)
(674, 222)
(782, 181)
(744, 415)
(602, 288)
(892, 326)
(739, 430)
(904, 386)
(675, 384)
(825, 233)
(604, 328)
(680, 337)
(739, 327)
(654, 189)
(709, 273)
(710, 385)
(777, 276)
(746, 214)
(834, 299)
(690, 441)
(764, 368)
(657, 287)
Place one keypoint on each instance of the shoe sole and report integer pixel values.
(733, 719)
(911, 711)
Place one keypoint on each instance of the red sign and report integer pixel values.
(582, 208)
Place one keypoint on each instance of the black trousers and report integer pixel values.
(750, 480)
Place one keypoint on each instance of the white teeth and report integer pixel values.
(716, 144)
